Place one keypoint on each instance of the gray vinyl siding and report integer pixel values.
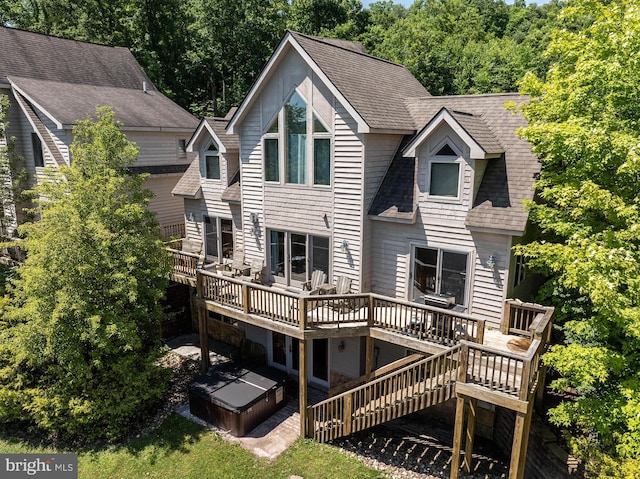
(168, 208)
(252, 190)
(348, 198)
(158, 148)
(490, 284)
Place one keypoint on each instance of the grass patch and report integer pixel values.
(180, 448)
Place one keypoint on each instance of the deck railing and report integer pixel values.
(433, 324)
(176, 230)
(518, 317)
(510, 373)
(185, 264)
(312, 311)
(410, 389)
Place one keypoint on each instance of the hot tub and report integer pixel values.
(237, 398)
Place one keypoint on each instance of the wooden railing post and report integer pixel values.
(480, 326)
(302, 316)
(506, 317)
(523, 394)
(372, 311)
(246, 298)
(347, 414)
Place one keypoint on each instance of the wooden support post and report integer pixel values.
(369, 358)
(471, 431)
(302, 378)
(520, 443)
(202, 325)
(457, 438)
(542, 376)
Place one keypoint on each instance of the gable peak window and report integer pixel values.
(212, 162)
(297, 146)
(444, 173)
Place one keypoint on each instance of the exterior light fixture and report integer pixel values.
(344, 247)
(491, 261)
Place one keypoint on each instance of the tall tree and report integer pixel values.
(584, 124)
(79, 342)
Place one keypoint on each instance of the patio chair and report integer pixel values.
(318, 278)
(238, 266)
(256, 271)
(343, 287)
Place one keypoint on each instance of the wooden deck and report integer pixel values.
(464, 359)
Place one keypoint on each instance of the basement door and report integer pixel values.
(284, 354)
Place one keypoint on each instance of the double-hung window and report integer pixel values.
(212, 162)
(297, 146)
(444, 174)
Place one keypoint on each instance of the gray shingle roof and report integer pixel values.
(219, 126)
(69, 78)
(376, 88)
(33, 55)
(232, 193)
(506, 181)
(69, 102)
(188, 185)
(479, 130)
(396, 195)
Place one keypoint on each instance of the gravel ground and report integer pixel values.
(405, 448)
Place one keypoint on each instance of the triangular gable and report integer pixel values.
(39, 128)
(470, 129)
(214, 127)
(290, 41)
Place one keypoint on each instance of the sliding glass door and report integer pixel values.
(294, 256)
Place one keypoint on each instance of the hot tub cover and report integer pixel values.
(236, 387)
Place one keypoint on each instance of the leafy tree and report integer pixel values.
(584, 124)
(13, 175)
(79, 342)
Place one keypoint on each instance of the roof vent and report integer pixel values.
(144, 86)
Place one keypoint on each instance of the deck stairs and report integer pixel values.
(414, 387)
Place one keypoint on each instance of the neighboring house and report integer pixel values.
(340, 162)
(53, 82)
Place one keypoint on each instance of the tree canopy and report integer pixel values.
(79, 339)
(584, 124)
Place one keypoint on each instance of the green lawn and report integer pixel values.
(182, 449)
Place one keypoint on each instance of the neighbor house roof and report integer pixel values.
(508, 178)
(370, 88)
(65, 103)
(67, 79)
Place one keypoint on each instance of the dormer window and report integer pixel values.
(444, 173)
(294, 139)
(212, 162)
